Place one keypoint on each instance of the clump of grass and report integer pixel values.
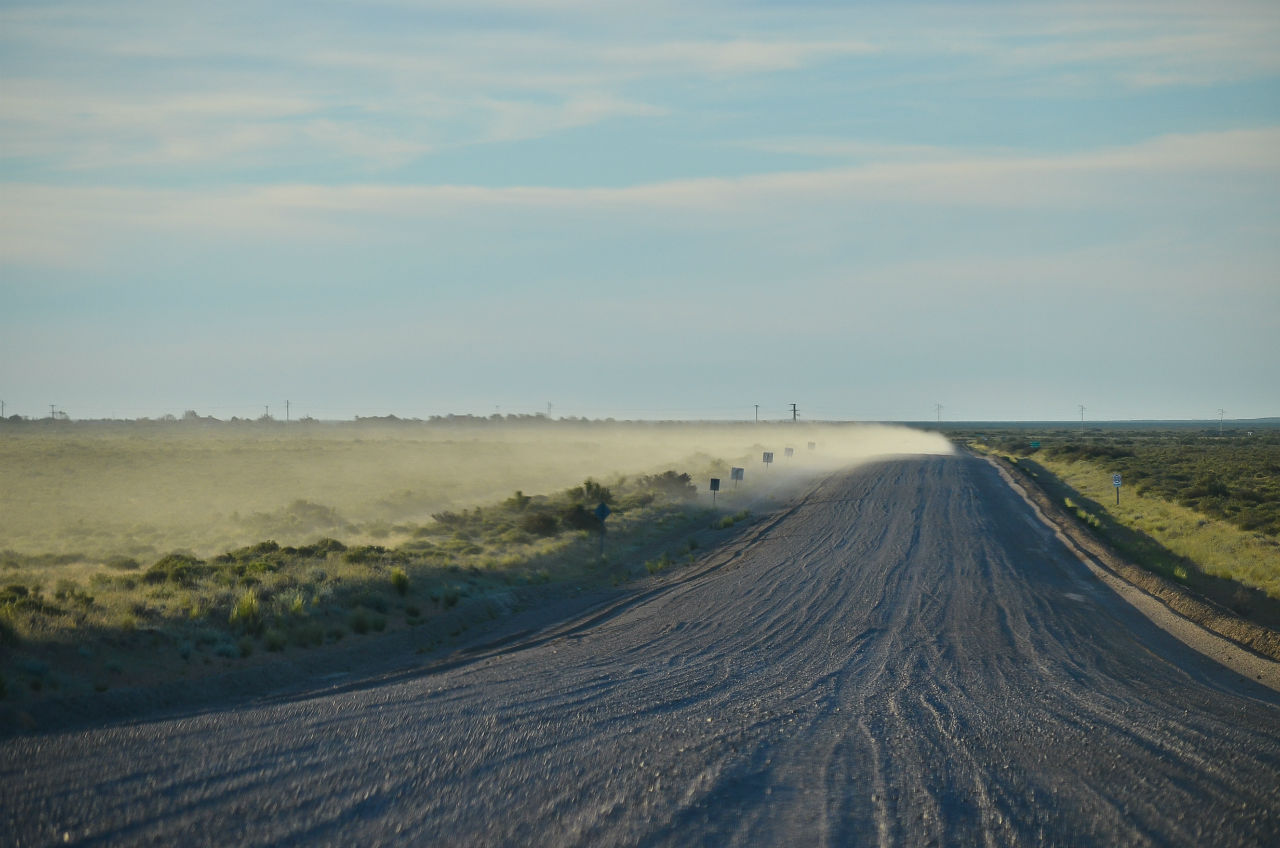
(727, 521)
(400, 581)
(246, 615)
(662, 563)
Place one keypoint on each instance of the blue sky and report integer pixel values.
(641, 210)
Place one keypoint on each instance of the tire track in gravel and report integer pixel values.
(901, 656)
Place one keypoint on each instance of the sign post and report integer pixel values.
(1115, 481)
(715, 487)
(768, 458)
(735, 474)
(602, 512)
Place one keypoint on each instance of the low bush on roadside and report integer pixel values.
(267, 597)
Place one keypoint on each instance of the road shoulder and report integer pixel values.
(1248, 649)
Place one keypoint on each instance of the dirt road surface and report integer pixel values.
(902, 656)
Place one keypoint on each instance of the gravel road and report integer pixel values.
(902, 656)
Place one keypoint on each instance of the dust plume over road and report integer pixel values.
(901, 655)
(142, 490)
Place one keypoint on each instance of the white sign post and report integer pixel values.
(1115, 481)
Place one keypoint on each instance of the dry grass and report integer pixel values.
(1216, 546)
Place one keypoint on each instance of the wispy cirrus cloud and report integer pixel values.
(41, 222)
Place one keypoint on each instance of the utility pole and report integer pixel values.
(286, 412)
(795, 415)
(548, 410)
(937, 407)
(1, 409)
(1220, 414)
(266, 411)
(1082, 420)
(51, 415)
(757, 413)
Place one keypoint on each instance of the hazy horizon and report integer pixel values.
(641, 211)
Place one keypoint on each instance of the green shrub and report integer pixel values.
(359, 621)
(321, 548)
(539, 523)
(517, 502)
(8, 636)
(366, 553)
(672, 484)
(182, 569)
(275, 639)
(577, 517)
(400, 581)
(308, 634)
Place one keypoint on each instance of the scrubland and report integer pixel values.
(1191, 503)
(132, 552)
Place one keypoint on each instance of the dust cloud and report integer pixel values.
(95, 490)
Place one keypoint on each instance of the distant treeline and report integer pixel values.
(193, 418)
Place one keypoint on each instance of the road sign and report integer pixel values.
(715, 484)
(736, 473)
(790, 452)
(1115, 480)
(1035, 444)
(813, 445)
(768, 457)
(602, 512)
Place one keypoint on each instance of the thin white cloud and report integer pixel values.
(41, 223)
(728, 57)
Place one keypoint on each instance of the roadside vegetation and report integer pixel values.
(1194, 504)
(134, 552)
(182, 614)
